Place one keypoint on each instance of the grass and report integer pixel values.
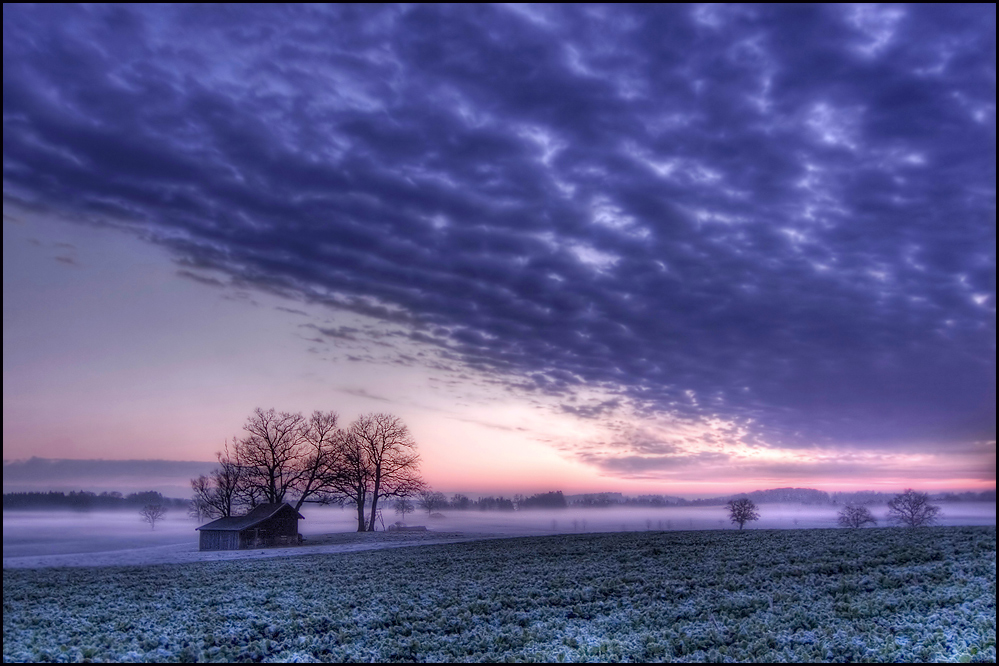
(795, 595)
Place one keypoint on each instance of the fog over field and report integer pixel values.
(38, 534)
(626, 519)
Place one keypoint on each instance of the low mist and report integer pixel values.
(40, 533)
(321, 520)
(64, 532)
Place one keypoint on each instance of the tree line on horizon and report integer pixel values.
(808, 496)
(84, 500)
(88, 501)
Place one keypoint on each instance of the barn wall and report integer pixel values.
(218, 540)
(279, 529)
(274, 531)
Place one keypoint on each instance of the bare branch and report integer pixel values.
(912, 509)
(152, 513)
(854, 516)
(742, 511)
(391, 454)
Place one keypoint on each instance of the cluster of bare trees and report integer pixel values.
(290, 457)
(908, 509)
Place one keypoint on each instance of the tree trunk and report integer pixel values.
(374, 516)
(360, 514)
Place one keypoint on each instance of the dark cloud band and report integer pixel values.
(778, 214)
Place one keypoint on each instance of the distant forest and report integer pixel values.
(777, 495)
(88, 501)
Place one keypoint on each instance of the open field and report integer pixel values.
(794, 595)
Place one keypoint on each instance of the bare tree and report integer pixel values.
(856, 516)
(287, 456)
(742, 511)
(912, 509)
(270, 453)
(390, 452)
(351, 479)
(199, 508)
(403, 506)
(227, 480)
(322, 455)
(432, 502)
(218, 494)
(152, 513)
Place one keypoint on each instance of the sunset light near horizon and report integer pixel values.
(690, 250)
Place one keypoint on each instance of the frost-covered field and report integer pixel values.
(795, 595)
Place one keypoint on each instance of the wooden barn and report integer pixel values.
(266, 525)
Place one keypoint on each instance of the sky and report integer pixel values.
(681, 249)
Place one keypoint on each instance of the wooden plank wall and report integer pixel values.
(218, 540)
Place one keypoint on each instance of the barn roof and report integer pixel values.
(254, 517)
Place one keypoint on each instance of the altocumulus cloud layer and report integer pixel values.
(779, 217)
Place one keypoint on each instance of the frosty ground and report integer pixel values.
(784, 595)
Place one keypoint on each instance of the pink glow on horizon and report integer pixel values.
(120, 379)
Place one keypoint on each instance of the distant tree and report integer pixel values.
(495, 504)
(460, 502)
(432, 502)
(742, 511)
(912, 509)
(403, 506)
(143, 498)
(552, 500)
(152, 513)
(855, 516)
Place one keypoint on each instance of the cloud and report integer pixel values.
(364, 393)
(200, 279)
(784, 219)
(340, 332)
(592, 410)
(42, 474)
(653, 466)
(293, 311)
